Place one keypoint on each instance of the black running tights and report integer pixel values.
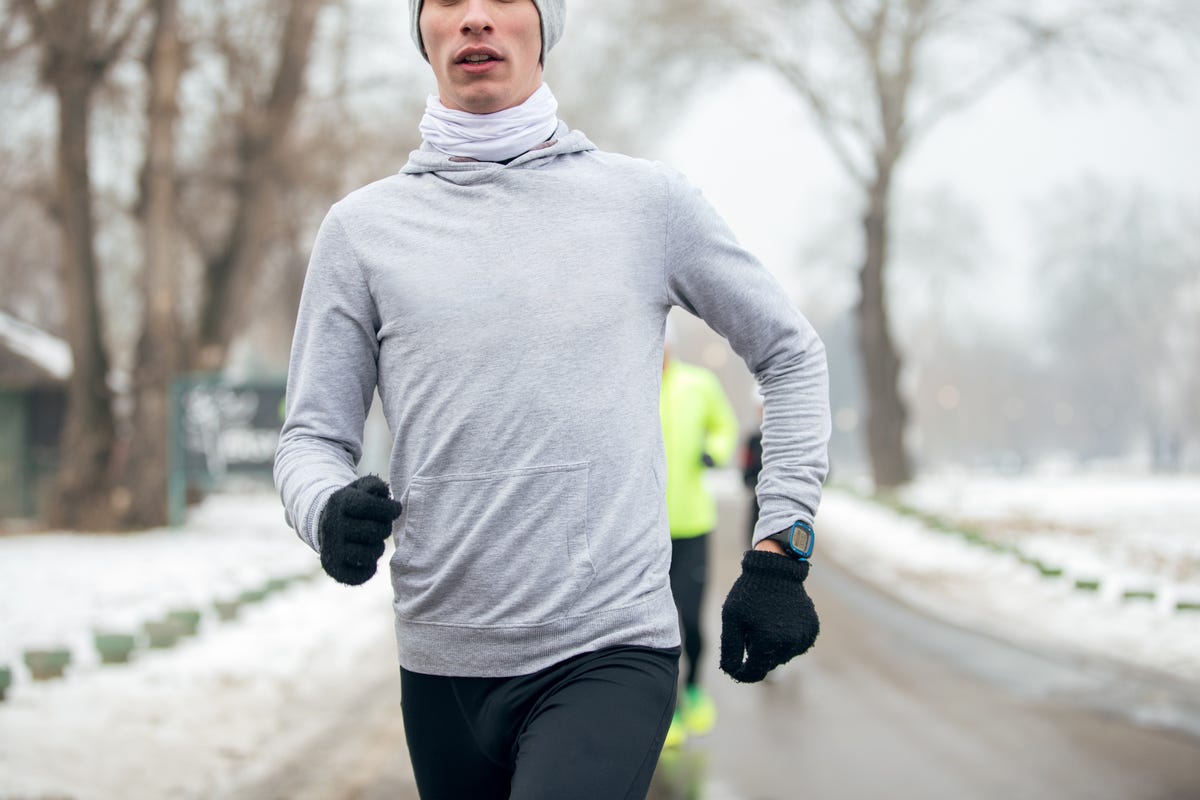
(589, 728)
(689, 574)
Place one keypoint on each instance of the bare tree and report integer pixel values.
(879, 74)
(1120, 273)
(261, 136)
(622, 72)
(29, 240)
(158, 351)
(78, 42)
(113, 475)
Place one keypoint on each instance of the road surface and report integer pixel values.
(890, 703)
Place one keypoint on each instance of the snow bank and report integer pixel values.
(1123, 534)
(187, 721)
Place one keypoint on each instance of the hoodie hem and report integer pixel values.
(470, 652)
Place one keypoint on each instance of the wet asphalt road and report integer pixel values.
(888, 704)
(892, 704)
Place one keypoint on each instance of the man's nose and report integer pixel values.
(477, 16)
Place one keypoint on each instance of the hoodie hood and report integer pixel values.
(428, 159)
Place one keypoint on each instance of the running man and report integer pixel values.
(506, 294)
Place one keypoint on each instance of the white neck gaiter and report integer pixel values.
(491, 137)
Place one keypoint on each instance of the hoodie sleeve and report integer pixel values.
(712, 276)
(331, 381)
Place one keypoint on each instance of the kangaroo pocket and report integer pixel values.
(494, 549)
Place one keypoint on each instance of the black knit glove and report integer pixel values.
(354, 529)
(767, 618)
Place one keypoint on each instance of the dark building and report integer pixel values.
(34, 367)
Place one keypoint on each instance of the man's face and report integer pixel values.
(485, 54)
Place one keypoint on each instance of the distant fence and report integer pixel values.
(224, 434)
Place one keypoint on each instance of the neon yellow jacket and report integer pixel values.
(696, 419)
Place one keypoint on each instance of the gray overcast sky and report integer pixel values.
(1010, 151)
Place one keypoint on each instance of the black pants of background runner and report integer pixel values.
(689, 575)
(591, 728)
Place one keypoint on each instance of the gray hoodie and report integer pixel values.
(512, 319)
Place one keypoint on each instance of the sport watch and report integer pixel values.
(797, 541)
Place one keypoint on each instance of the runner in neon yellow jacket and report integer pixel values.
(699, 431)
(697, 421)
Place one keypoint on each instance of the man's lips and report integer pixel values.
(478, 67)
(476, 55)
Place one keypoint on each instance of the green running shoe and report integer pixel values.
(677, 733)
(699, 713)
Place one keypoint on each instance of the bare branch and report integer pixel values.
(30, 10)
(748, 39)
(32, 14)
(831, 126)
(829, 122)
(1108, 36)
(916, 28)
(862, 35)
(289, 77)
(11, 42)
(110, 53)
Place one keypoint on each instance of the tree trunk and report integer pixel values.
(82, 496)
(157, 359)
(230, 276)
(886, 412)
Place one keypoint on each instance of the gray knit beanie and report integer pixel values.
(553, 14)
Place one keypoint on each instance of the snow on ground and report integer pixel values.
(1135, 530)
(184, 722)
(70, 585)
(1128, 534)
(196, 720)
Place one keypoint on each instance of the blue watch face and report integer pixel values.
(802, 539)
